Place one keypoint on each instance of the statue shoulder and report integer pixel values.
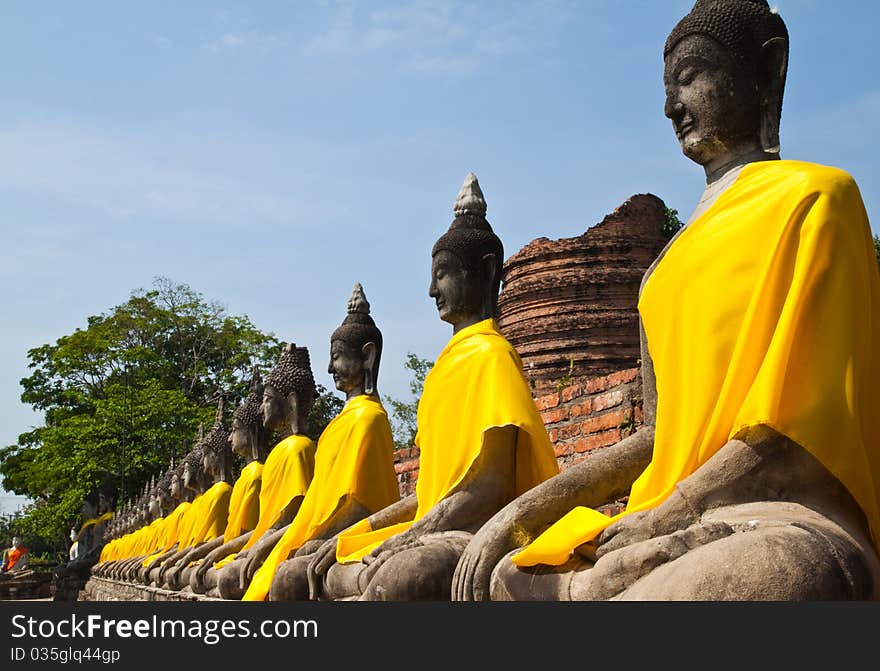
(818, 177)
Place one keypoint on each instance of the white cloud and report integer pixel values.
(194, 179)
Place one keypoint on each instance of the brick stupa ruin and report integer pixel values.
(569, 305)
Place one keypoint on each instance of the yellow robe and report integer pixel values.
(765, 310)
(476, 384)
(212, 515)
(286, 474)
(170, 531)
(354, 459)
(244, 503)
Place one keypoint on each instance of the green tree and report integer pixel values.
(671, 224)
(403, 414)
(326, 406)
(877, 247)
(123, 395)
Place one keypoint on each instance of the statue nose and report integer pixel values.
(673, 108)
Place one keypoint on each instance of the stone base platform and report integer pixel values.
(105, 589)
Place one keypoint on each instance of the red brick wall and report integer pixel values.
(581, 416)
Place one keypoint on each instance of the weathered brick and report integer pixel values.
(596, 384)
(569, 431)
(622, 377)
(602, 422)
(548, 401)
(603, 439)
(554, 435)
(639, 415)
(582, 409)
(553, 416)
(571, 392)
(562, 449)
(607, 400)
(405, 466)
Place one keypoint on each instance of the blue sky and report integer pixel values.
(270, 155)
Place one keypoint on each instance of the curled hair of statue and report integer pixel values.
(358, 327)
(293, 373)
(248, 412)
(741, 26)
(470, 236)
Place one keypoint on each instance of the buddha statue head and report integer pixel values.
(248, 437)
(216, 450)
(194, 476)
(175, 487)
(466, 262)
(154, 505)
(289, 391)
(725, 65)
(355, 349)
(163, 494)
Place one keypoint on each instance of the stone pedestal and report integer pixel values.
(105, 589)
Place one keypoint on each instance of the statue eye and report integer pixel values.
(686, 75)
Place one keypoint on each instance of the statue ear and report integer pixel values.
(489, 269)
(489, 265)
(369, 351)
(772, 71)
(293, 404)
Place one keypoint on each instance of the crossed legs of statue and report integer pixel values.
(420, 572)
(776, 551)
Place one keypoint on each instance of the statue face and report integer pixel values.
(239, 439)
(175, 486)
(712, 102)
(211, 462)
(454, 288)
(273, 408)
(346, 366)
(188, 477)
(155, 506)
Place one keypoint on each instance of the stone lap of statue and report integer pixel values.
(250, 440)
(755, 474)
(354, 462)
(481, 438)
(288, 394)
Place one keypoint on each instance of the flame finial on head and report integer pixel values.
(470, 198)
(357, 302)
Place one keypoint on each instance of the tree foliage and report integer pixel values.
(877, 248)
(123, 395)
(403, 414)
(671, 223)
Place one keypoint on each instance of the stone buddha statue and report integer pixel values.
(288, 394)
(250, 440)
(481, 438)
(179, 499)
(755, 475)
(148, 534)
(354, 463)
(188, 482)
(212, 505)
(243, 506)
(15, 559)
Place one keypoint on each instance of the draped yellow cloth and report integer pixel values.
(354, 460)
(170, 531)
(286, 474)
(244, 503)
(212, 514)
(765, 310)
(475, 385)
(94, 521)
